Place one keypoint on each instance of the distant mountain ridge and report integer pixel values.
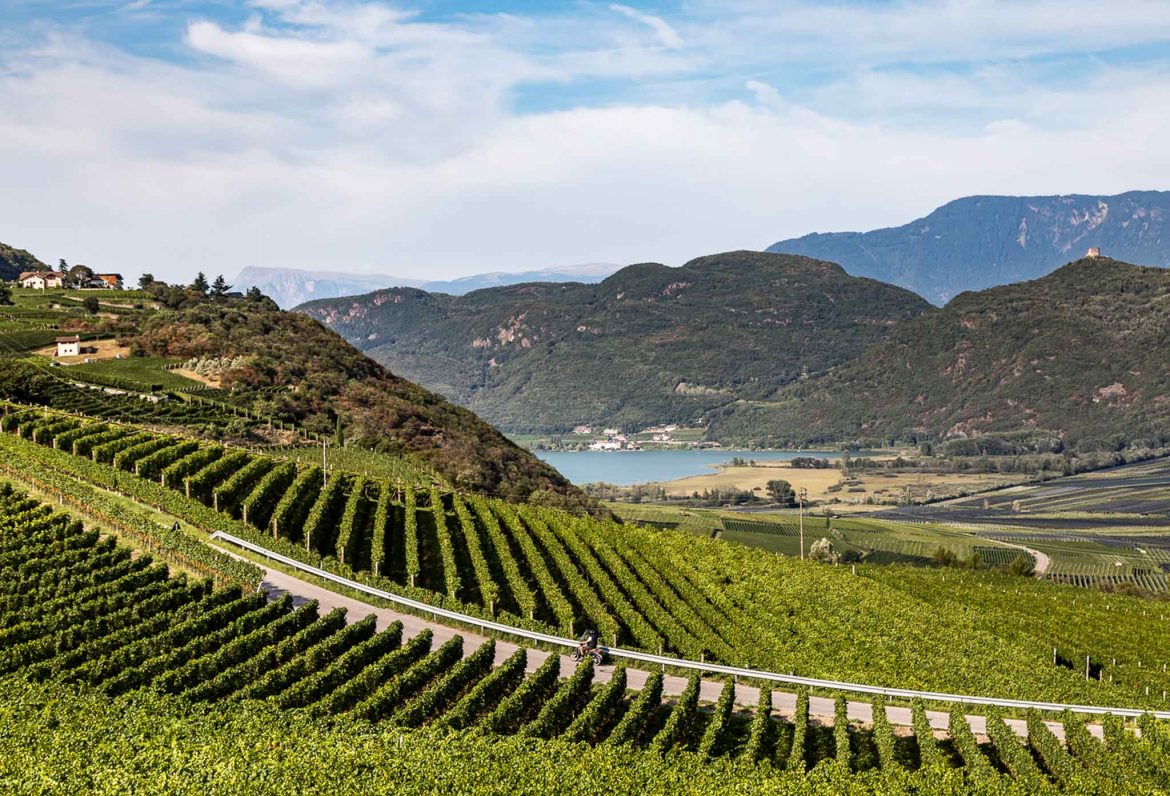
(1077, 357)
(979, 242)
(648, 344)
(289, 287)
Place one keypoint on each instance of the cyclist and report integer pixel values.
(588, 641)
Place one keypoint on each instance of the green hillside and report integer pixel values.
(1074, 359)
(649, 344)
(13, 261)
(278, 378)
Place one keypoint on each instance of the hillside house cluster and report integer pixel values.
(47, 280)
(615, 441)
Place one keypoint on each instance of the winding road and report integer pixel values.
(1043, 562)
(278, 583)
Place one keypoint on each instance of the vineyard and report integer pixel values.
(96, 401)
(86, 622)
(656, 590)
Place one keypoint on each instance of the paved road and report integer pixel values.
(278, 583)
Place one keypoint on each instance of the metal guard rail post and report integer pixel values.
(682, 663)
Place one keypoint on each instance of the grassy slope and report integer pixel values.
(545, 357)
(327, 380)
(290, 367)
(1078, 353)
(146, 371)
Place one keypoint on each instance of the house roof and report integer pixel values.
(74, 339)
(30, 274)
(108, 277)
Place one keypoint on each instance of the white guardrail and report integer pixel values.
(664, 660)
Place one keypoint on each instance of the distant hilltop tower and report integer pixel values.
(1093, 252)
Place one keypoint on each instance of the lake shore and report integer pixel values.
(860, 490)
(627, 468)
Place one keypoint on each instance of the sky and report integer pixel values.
(436, 138)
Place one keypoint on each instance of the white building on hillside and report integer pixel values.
(39, 280)
(69, 346)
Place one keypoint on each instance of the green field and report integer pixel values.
(1134, 489)
(145, 372)
(1082, 551)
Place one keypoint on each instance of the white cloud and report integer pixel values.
(290, 59)
(928, 30)
(355, 136)
(765, 93)
(666, 35)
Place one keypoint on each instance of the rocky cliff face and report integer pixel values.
(983, 241)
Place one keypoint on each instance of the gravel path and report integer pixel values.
(278, 583)
(1043, 561)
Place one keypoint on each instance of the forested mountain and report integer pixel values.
(13, 261)
(981, 241)
(1077, 357)
(648, 344)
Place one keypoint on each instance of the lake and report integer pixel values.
(638, 467)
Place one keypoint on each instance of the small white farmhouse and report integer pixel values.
(69, 346)
(39, 280)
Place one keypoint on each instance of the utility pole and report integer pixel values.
(801, 494)
(324, 466)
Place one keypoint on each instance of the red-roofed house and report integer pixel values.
(39, 280)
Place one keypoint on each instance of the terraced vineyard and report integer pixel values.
(79, 611)
(95, 400)
(541, 568)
